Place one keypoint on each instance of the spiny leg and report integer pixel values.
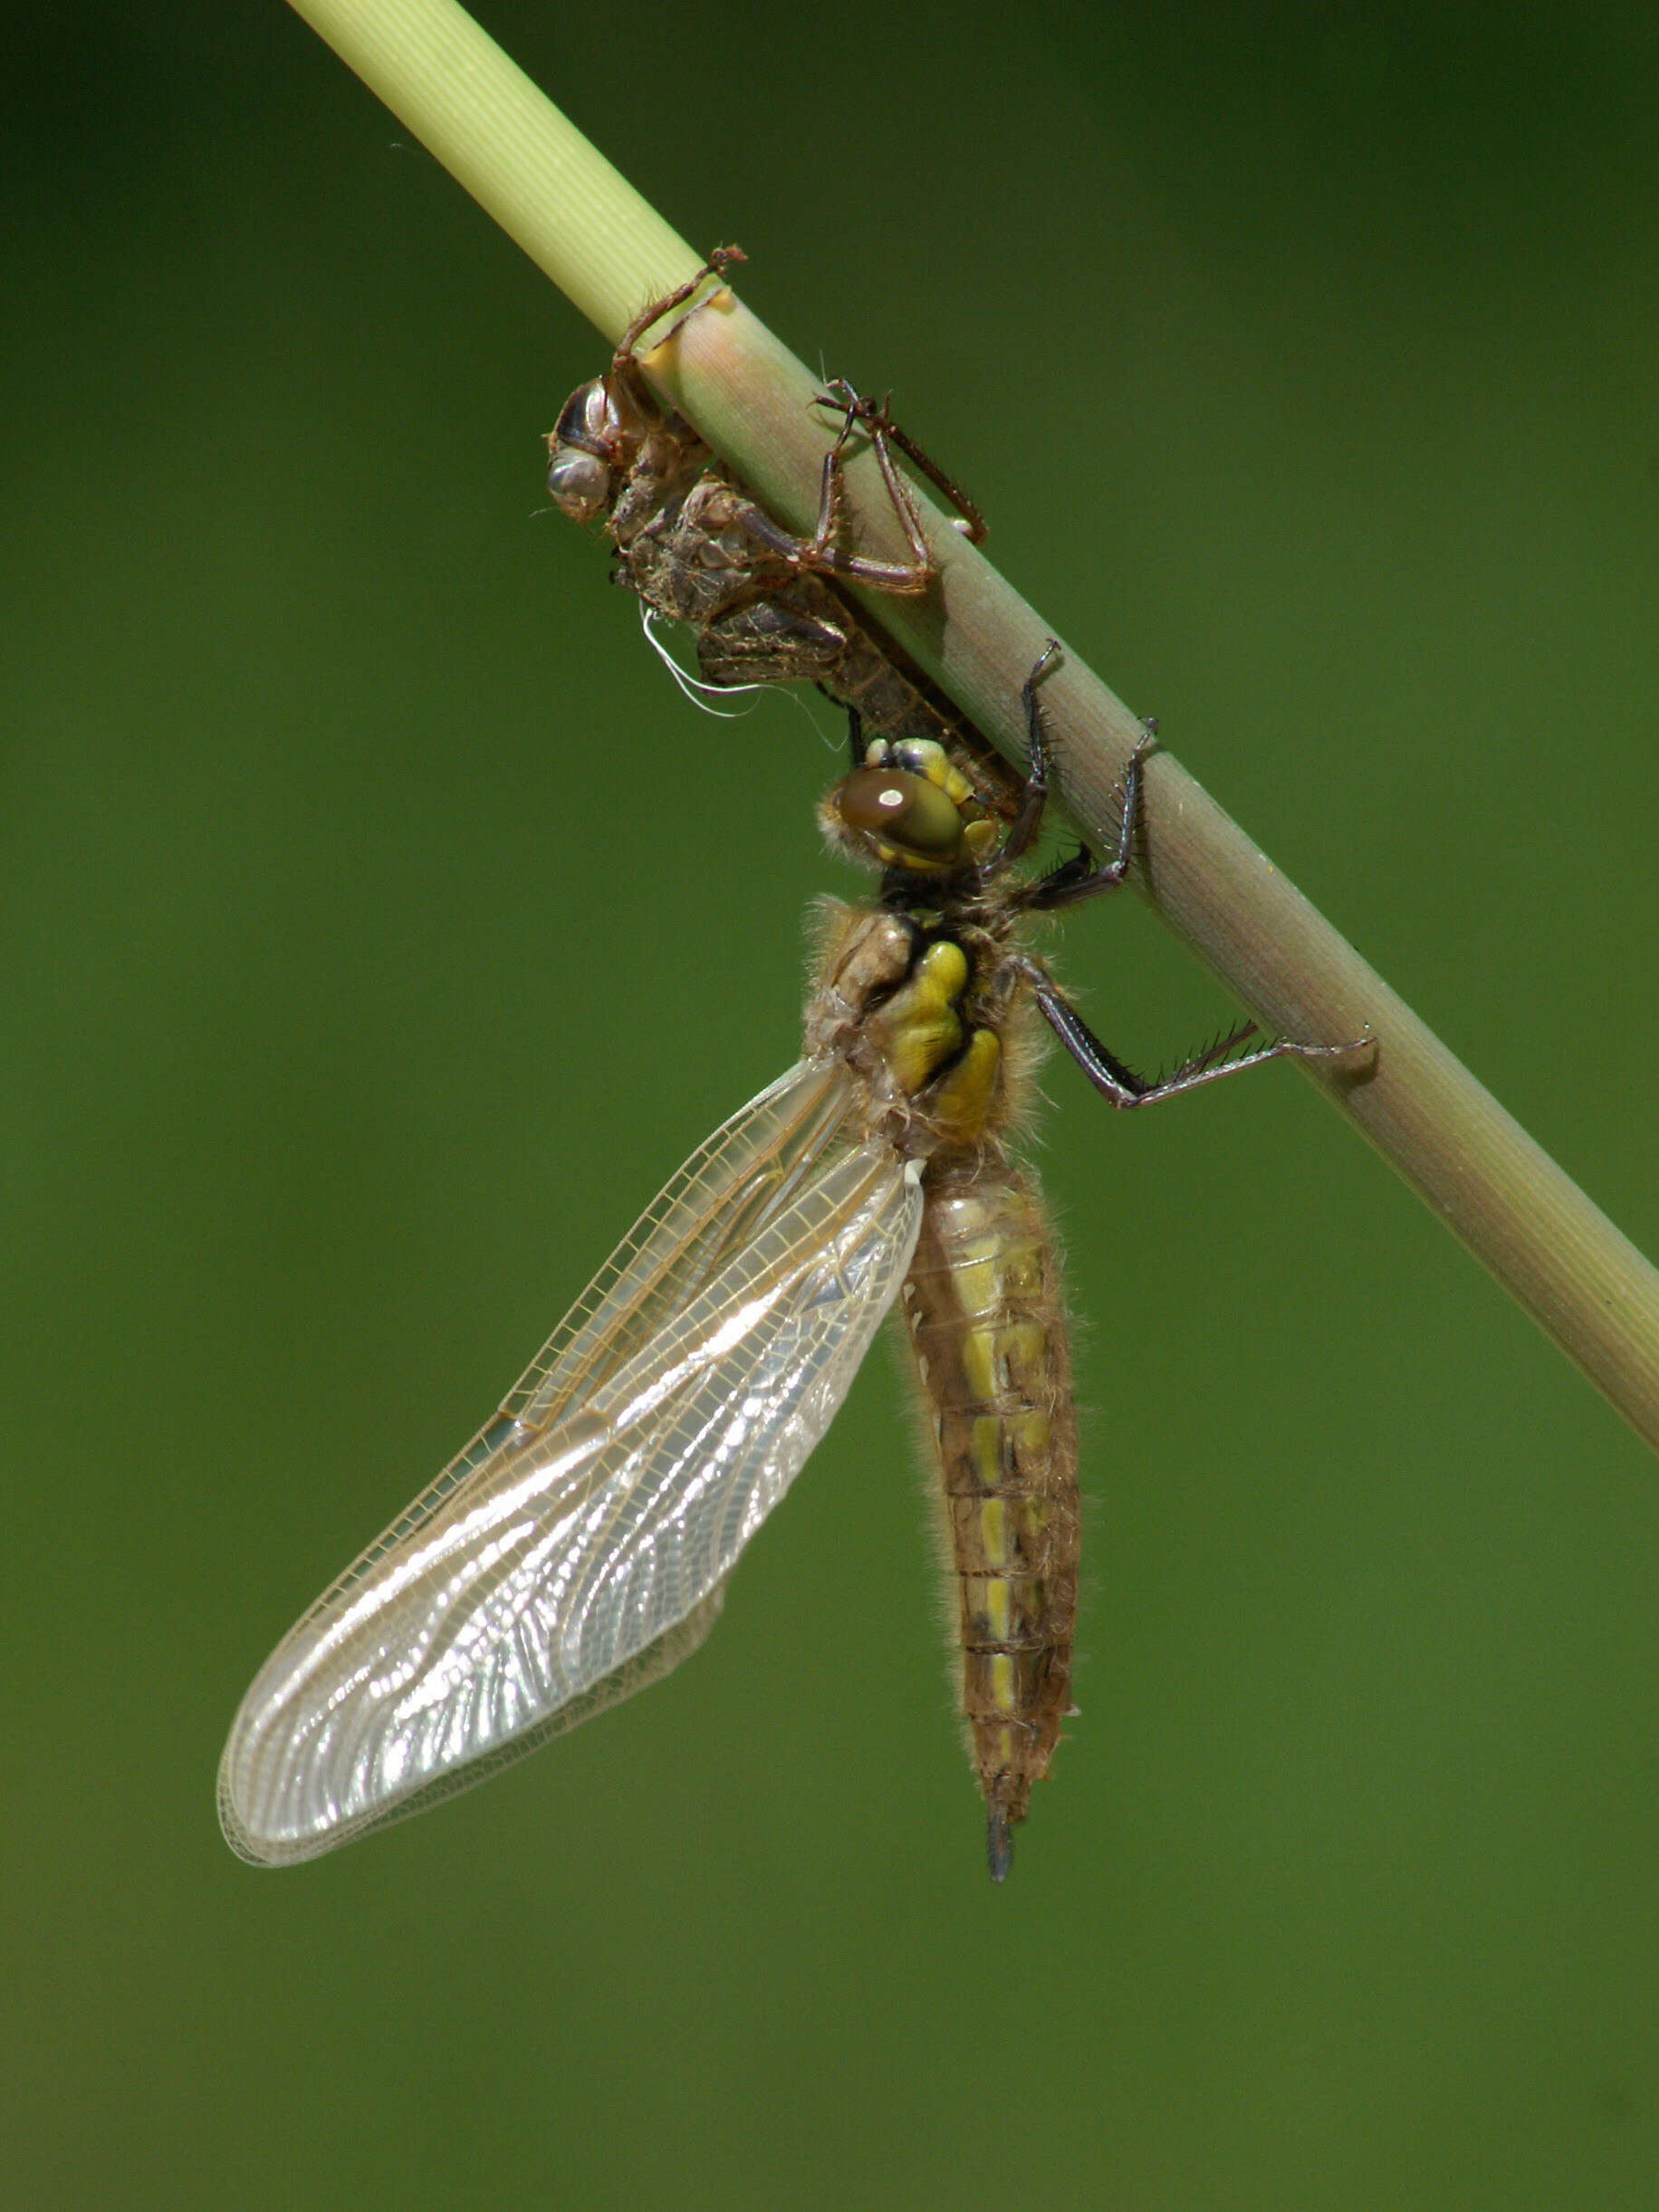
(1121, 1086)
(1034, 797)
(1081, 877)
(876, 418)
(822, 553)
(717, 263)
(637, 406)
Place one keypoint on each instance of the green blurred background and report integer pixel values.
(381, 928)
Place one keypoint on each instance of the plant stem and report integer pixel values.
(579, 220)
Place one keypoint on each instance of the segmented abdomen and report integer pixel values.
(984, 1310)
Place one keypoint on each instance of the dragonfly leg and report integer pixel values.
(823, 553)
(1122, 1087)
(1040, 759)
(717, 263)
(855, 737)
(637, 405)
(876, 416)
(1081, 877)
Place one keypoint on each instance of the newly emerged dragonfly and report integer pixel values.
(762, 604)
(580, 1545)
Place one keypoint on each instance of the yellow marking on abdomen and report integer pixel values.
(997, 1360)
(994, 1531)
(996, 1607)
(979, 1362)
(1032, 1434)
(976, 1278)
(987, 1449)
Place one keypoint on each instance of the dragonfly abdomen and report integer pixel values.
(984, 1310)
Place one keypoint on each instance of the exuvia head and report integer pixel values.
(907, 807)
(586, 453)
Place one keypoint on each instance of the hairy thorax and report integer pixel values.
(927, 1016)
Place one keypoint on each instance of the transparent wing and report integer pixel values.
(579, 1548)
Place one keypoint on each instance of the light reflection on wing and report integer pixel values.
(579, 1548)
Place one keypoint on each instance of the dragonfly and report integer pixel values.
(763, 604)
(581, 1546)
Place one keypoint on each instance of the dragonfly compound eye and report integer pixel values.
(904, 819)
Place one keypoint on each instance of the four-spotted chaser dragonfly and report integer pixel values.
(579, 1547)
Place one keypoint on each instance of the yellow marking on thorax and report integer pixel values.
(963, 1102)
(920, 1026)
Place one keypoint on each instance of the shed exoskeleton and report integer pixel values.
(762, 603)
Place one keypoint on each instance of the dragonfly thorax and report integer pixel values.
(914, 1010)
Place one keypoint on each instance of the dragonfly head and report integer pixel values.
(908, 808)
(587, 453)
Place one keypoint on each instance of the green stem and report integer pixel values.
(1585, 1285)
